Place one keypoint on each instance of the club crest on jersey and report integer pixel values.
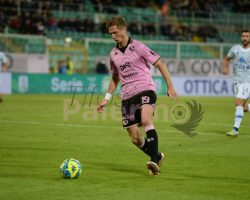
(132, 48)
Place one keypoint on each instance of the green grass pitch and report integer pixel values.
(38, 132)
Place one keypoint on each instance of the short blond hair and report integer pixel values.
(118, 21)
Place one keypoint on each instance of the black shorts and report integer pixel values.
(131, 112)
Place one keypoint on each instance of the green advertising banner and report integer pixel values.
(67, 84)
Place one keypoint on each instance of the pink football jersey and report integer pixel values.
(133, 68)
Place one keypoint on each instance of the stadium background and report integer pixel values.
(41, 38)
(191, 36)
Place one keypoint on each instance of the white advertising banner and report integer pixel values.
(204, 86)
(193, 67)
(5, 82)
(185, 67)
(28, 63)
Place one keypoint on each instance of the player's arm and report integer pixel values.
(111, 89)
(113, 83)
(165, 74)
(225, 66)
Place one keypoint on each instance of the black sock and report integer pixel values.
(152, 145)
(145, 147)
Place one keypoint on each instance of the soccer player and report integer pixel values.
(129, 61)
(4, 64)
(240, 55)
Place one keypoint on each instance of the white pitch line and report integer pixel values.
(217, 124)
(210, 123)
(100, 127)
(56, 124)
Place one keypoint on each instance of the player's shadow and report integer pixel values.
(122, 168)
(222, 132)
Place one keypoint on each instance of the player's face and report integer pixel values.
(118, 33)
(245, 38)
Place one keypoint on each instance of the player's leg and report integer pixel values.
(142, 143)
(239, 113)
(131, 114)
(147, 112)
(242, 93)
(136, 138)
(131, 119)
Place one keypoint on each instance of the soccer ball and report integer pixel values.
(70, 168)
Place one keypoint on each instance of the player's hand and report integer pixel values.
(172, 93)
(102, 104)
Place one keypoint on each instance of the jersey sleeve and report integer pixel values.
(230, 53)
(113, 68)
(148, 55)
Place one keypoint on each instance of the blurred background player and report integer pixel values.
(129, 64)
(240, 54)
(4, 64)
(70, 66)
